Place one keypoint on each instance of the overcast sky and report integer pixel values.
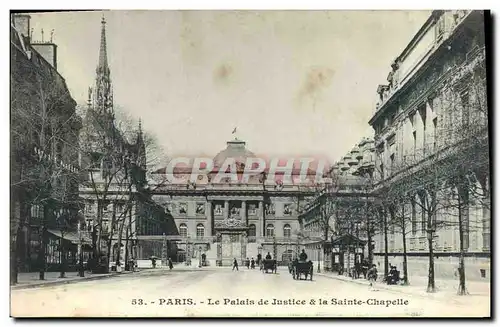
(292, 82)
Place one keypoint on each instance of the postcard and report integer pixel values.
(246, 163)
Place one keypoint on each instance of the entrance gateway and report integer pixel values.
(231, 240)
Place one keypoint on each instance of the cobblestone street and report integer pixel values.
(195, 293)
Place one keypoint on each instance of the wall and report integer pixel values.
(445, 267)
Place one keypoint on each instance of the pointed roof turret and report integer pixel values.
(103, 53)
(103, 92)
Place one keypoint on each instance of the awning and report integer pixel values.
(70, 236)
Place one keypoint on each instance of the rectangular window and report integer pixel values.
(415, 142)
(392, 168)
(287, 209)
(118, 208)
(59, 151)
(435, 136)
(423, 220)
(412, 120)
(413, 217)
(252, 209)
(465, 100)
(423, 115)
(89, 207)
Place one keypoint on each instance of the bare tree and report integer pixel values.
(44, 129)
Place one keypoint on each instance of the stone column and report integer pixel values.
(226, 209)
(243, 211)
(208, 214)
(261, 219)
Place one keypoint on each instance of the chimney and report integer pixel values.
(22, 24)
(48, 51)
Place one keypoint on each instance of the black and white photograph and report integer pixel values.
(250, 163)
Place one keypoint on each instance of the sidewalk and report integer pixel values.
(31, 279)
(445, 288)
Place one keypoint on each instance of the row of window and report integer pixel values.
(219, 209)
(200, 230)
(106, 206)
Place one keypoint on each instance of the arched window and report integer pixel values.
(183, 230)
(270, 230)
(200, 231)
(287, 231)
(252, 230)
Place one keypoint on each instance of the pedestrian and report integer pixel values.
(170, 264)
(247, 263)
(365, 268)
(252, 263)
(372, 274)
(153, 262)
(235, 264)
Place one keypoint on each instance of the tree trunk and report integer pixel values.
(110, 236)
(120, 234)
(369, 236)
(98, 237)
(386, 244)
(13, 259)
(431, 206)
(405, 254)
(126, 259)
(431, 283)
(109, 243)
(41, 252)
(462, 290)
(62, 251)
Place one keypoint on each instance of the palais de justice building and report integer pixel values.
(229, 219)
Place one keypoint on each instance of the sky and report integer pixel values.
(293, 83)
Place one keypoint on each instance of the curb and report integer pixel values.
(377, 285)
(381, 286)
(68, 281)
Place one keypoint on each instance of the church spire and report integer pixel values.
(103, 89)
(103, 55)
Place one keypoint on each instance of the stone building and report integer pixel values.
(44, 156)
(431, 140)
(235, 218)
(117, 204)
(334, 223)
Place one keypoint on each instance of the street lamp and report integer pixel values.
(199, 254)
(275, 248)
(319, 259)
(81, 270)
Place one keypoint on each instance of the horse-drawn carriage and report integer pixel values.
(300, 268)
(268, 264)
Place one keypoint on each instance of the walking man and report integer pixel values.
(235, 264)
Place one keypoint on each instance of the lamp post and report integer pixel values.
(199, 254)
(319, 259)
(164, 250)
(81, 270)
(275, 248)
